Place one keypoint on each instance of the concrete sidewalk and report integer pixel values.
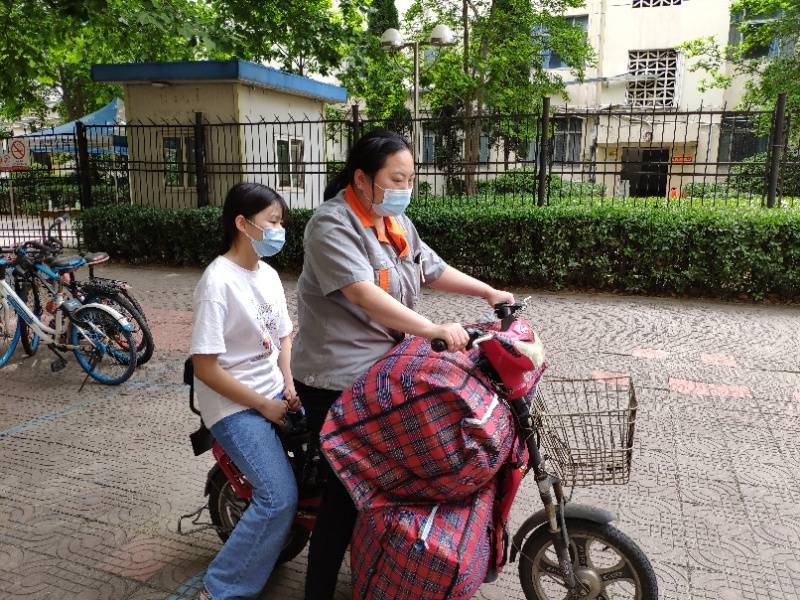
(92, 484)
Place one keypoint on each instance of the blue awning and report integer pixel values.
(108, 115)
(104, 137)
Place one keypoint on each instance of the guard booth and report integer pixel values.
(196, 128)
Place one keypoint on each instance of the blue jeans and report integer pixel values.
(244, 563)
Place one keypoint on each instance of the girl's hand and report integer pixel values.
(291, 397)
(497, 296)
(274, 410)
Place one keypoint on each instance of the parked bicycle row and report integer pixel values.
(44, 302)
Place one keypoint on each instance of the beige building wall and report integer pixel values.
(615, 28)
(274, 118)
(245, 124)
(177, 103)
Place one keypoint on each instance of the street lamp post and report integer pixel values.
(392, 40)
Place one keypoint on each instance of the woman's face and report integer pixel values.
(397, 173)
(269, 218)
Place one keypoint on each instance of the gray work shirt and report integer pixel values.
(336, 340)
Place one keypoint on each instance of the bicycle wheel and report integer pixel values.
(606, 561)
(9, 331)
(142, 336)
(134, 301)
(105, 349)
(28, 290)
(226, 508)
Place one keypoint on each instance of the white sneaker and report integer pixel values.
(204, 595)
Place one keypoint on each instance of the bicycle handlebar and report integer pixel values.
(439, 345)
(502, 310)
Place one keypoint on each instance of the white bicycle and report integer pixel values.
(100, 337)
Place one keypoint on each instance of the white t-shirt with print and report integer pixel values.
(239, 315)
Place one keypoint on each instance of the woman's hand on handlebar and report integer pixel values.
(453, 334)
(494, 297)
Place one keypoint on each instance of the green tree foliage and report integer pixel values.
(48, 46)
(303, 37)
(497, 68)
(376, 76)
(765, 51)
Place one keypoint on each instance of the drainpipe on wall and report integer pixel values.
(601, 35)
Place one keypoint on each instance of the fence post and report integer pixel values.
(201, 178)
(544, 152)
(84, 168)
(777, 145)
(356, 125)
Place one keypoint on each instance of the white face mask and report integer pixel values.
(395, 202)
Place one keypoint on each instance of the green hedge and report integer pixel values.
(689, 251)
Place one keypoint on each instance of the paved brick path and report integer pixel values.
(92, 484)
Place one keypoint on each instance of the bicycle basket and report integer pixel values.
(586, 428)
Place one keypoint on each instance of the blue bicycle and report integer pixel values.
(99, 336)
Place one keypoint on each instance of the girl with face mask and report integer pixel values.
(241, 347)
(364, 265)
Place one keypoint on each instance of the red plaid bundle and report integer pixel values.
(429, 552)
(418, 426)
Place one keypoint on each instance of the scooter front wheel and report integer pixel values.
(226, 508)
(607, 563)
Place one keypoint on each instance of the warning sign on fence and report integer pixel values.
(17, 156)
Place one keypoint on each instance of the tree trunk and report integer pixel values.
(473, 121)
(72, 94)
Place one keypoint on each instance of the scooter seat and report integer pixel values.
(95, 258)
(66, 263)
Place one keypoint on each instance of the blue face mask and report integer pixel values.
(271, 242)
(395, 202)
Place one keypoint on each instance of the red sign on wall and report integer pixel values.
(18, 156)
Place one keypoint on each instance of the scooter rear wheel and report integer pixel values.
(605, 560)
(226, 508)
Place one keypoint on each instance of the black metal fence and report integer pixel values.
(711, 157)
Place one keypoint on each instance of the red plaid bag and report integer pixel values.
(422, 552)
(419, 426)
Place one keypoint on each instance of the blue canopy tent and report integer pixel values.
(104, 136)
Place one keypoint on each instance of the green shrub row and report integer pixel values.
(685, 251)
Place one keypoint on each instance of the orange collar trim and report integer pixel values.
(394, 231)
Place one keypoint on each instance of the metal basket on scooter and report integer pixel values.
(586, 428)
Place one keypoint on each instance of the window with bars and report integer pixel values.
(179, 162)
(483, 148)
(291, 170)
(550, 58)
(567, 139)
(430, 139)
(739, 140)
(652, 3)
(653, 78)
(746, 27)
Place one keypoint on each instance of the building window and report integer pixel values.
(651, 3)
(738, 139)
(431, 140)
(179, 162)
(744, 27)
(550, 59)
(567, 139)
(428, 145)
(653, 79)
(483, 149)
(291, 169)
